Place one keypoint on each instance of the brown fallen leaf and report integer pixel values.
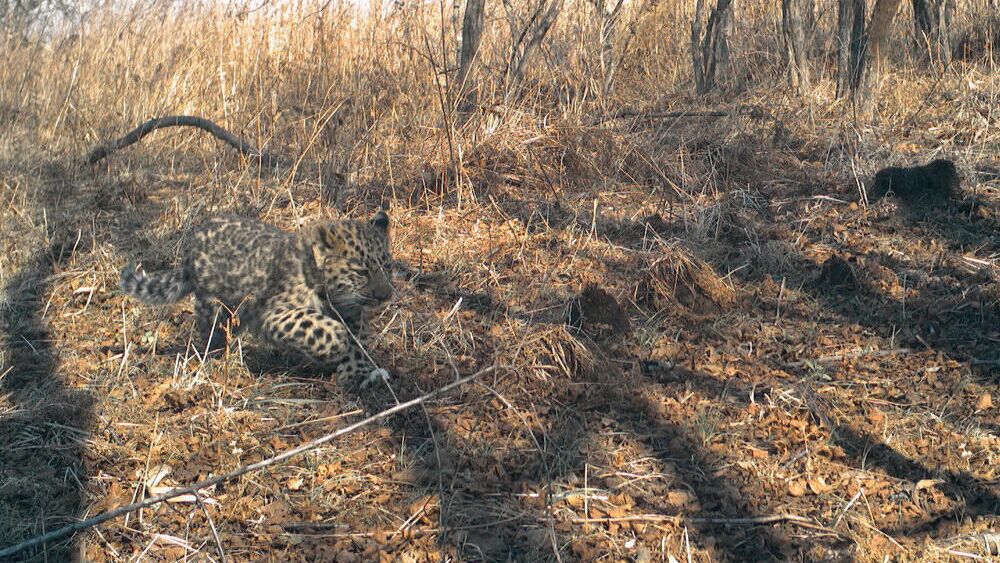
(622, 499)
(985, 401)
(926, 484)
(796, 488)
(615, 511)
(818, 486)
(596, 512)
(678, 498)
(876, 417)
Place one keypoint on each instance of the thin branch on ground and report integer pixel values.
(193, 489)
(750, 521)
(629, 114)
(849, 356)
(294, 528)
(211, 526)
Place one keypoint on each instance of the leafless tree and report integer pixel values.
(932, 24)
(875, 47)
(866, 47)
(21, 18)
(529, 36)
(850, 37)
(795, 18)
(472, 35)
(612, 17)
(710, 51)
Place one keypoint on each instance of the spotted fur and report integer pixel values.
(304, 291)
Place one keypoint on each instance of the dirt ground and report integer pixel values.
(713, 353)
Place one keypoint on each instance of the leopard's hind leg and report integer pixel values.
(214, 322)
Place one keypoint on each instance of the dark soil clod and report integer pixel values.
(935, 182)
(597, 313)
(839, 272)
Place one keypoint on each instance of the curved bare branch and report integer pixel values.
(264, 159)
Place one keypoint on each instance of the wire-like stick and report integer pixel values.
(193, 489)
(629, 114)
(211, 526)
(751, 521)
(266, 160)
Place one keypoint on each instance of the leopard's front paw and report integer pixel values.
(374, 376)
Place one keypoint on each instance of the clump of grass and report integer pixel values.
(675, 275)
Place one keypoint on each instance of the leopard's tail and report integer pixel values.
(156, 288)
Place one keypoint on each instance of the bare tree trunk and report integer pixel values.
(530, 38)
(472, 35)
(850, 40)
(609, 28)
(873, 50)
(932, 24)
(710, 53)
(794, 14)
(697, 58)
(611, 20)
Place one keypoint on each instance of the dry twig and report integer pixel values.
(636, 114)
(264, 159)
(193, 489)
(750, 521)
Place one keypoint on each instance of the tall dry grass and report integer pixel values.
(499, 218)
(363, 87)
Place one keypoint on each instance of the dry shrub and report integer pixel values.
(678, 276)
(551, 352)
(775, 257)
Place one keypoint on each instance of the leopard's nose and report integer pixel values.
(380, 288)
(382, 291)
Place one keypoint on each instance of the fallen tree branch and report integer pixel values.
(193, 489)
(264, 159)
(629, 114)
(408, 533)
(750, 521)
(849, 356)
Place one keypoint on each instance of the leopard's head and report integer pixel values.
(353, 260)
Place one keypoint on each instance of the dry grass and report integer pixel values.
(748, 381)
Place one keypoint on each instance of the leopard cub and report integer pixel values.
(306, 291)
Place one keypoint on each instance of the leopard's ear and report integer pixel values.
(327, 237)
(380, 221)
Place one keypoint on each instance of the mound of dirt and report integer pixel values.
(598, 314)
(838, 272)
(933, 183)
